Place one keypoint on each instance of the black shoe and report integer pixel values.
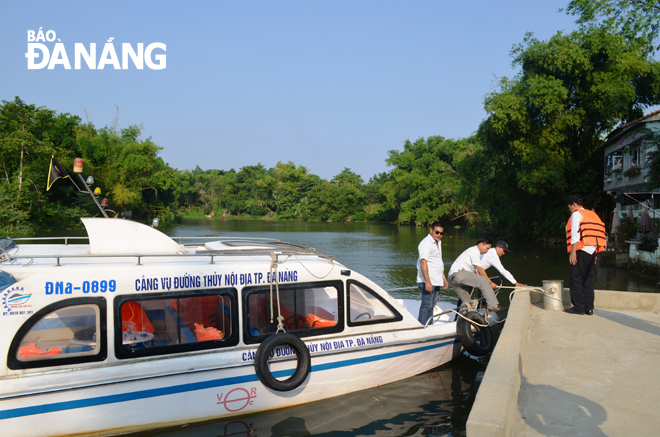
(574, 311)
(590, 312)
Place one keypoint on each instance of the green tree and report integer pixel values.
(13, 220)
(129, 170)
(636, 20)
(29, 136)
(377, 208)
(24, 141)
(288, 190)
(545, 126)
(425, 185)
(252, 190)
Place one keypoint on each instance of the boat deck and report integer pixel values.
(578, 375)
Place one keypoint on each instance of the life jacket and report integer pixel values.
(315, 321)
(33, 351)
(592, 231)
(205, 334)
(132, 312)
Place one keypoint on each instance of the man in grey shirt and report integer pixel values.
(430, 270)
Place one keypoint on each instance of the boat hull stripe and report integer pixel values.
(164, 391)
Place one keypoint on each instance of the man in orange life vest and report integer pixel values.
(585, 237)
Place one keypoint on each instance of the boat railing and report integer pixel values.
(66, 239)
(215, 238)
(176, 239)
(207, 253)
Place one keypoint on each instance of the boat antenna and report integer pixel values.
(78, 168)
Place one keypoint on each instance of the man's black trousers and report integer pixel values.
(582, 282)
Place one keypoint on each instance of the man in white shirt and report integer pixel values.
(430, 270)
(492, 259)
(467, 272)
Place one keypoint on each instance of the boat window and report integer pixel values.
(67, 332)
(308, 309)
(366, 307)
(166, 323)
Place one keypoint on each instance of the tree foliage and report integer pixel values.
(425, 185)
(545, 125)
(636, 20)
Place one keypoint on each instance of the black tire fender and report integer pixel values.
(303, 362)
(479, 342)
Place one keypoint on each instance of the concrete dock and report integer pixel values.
(561, 374)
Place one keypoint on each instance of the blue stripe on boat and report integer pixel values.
(164, 391)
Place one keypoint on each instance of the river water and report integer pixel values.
(436, 403)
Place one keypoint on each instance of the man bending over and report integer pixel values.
(467, 272)
(492, 259)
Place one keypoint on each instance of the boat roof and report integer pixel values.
(114, 239)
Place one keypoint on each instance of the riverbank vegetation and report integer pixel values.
(539, 143)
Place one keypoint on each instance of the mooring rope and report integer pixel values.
(539, 290)
(437, 316)
(273, 269)
(472, 305)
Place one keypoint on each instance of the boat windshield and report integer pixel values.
(364, 306)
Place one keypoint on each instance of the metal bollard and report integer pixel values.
(553, 291)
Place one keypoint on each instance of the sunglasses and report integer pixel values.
(439, 233)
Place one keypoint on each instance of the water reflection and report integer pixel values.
(436, 403)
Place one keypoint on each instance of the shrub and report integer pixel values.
(626, 230)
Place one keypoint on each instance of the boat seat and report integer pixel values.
(223, 317)
(172, 320)
(292, 321)
(75, 349)
(187, 336)
(317, 318)
(201, 310)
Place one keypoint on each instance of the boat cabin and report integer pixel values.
(133, 292)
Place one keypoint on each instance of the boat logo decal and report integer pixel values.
(186, 280)
(15, 302)
(237, 399)
(323, 346)
(61, 287)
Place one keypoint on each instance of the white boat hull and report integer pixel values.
(215, 393)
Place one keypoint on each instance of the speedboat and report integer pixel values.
(135, 330)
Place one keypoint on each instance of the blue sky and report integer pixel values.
(326, 85)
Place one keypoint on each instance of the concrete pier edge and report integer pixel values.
(495, 408)
(495, 411)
